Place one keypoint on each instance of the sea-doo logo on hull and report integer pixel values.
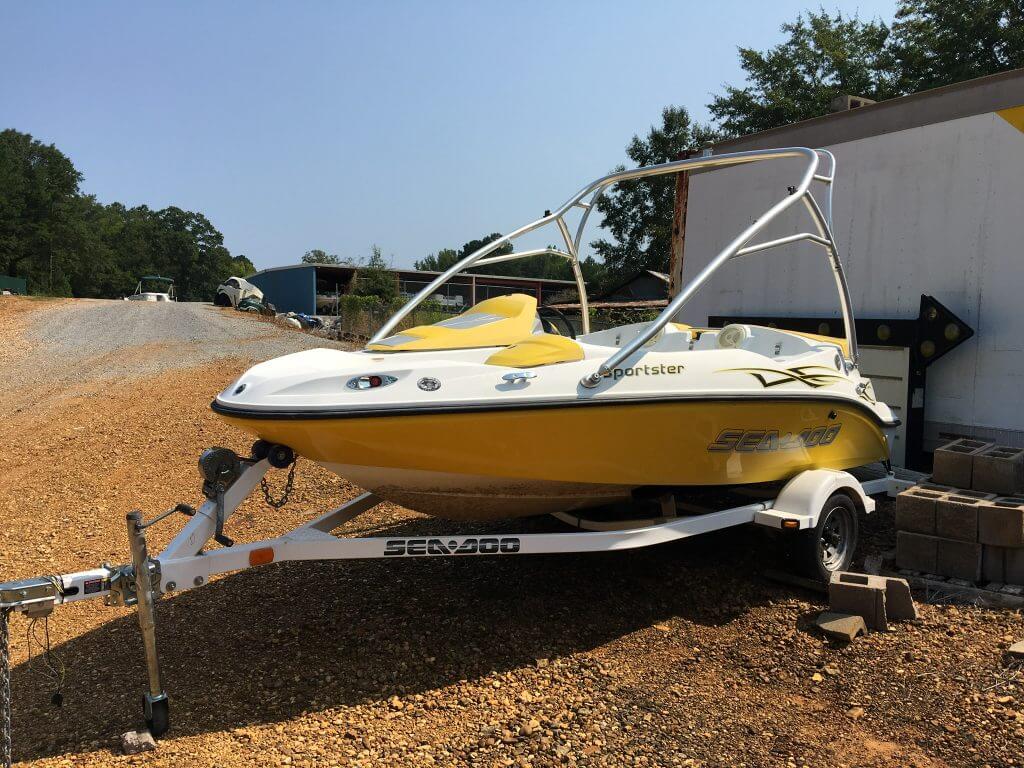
(493, 545)
(748, 441)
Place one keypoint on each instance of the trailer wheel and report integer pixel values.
(829, 546)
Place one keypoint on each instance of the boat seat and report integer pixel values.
(541, 349)
(495, 322)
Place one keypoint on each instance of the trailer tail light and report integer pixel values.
(791, 524)
(261, 556)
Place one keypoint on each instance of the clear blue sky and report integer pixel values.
(336, 125)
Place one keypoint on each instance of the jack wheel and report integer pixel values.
(280, 456)
(828, 547)
(160, 719)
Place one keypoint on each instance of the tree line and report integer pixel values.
(67, 243)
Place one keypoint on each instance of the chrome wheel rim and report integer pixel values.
(835, 538)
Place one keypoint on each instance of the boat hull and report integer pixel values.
(488, 463)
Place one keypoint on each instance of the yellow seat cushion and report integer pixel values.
(495, 322)
(541, 349)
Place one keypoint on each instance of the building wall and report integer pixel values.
(936, 209)
(289, 290)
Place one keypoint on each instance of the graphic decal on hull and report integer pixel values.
(801, 373)
(750, 440)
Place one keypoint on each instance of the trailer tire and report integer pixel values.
(829, 546)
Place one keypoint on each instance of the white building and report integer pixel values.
(929, 199)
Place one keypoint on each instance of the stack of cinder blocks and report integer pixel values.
(968, 522)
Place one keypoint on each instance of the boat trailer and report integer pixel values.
(229, 479)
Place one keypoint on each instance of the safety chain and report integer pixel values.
(289, 484)
(5, 692)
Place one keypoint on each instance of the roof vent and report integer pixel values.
(844, 102)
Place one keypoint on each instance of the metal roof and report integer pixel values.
(424, 272)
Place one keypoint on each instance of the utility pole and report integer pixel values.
(675, 269)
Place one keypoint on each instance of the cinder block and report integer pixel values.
(915, 510)
(999, 470)
(953, 463)
(1001, 522)
(916, 551)
(993, 563)
(956, 514)
(937, 488)
(899, 604)
(959, 559)
(860, 595)
(1014, 559)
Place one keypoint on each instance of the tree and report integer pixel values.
(317, 256)
(376, 278)
(823, 56)
(638, 214)
(438, 262)
(938, 42)
(932, 43)
(38, 183)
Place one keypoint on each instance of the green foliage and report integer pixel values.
(66, 243)
(638, 214)
(938, 42)
(545, 267)
(932, 43)
(375, 278)
(822, 57)
(318, 256)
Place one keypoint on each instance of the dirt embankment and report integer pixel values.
(675, 656)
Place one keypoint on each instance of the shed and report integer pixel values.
(314, 288)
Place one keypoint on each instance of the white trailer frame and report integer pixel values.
(185, 564)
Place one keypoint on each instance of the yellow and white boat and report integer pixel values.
(494, 414)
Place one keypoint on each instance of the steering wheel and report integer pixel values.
(557, 315)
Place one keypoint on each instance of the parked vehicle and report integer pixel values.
(233, 290)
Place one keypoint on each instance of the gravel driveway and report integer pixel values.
(74, 342)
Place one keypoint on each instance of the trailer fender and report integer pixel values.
(803, 497)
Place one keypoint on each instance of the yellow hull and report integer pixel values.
(541, 459)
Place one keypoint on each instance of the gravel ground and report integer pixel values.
(67, 343)
(681, 655)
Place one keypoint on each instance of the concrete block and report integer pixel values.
(899, 604)
(841, 626)
(953, 463)
(916, 551)
(959, 559)
(1016, 650)
(936, 487)
(999, 470)
(993, 563)
(860, 595)
(1001, 522)
(915, 510)
(956, 514)
(1014, 561)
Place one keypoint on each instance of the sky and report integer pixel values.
(336, 125)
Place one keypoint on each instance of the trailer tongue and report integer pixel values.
(801, 507)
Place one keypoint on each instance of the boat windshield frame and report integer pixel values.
(587, 199)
